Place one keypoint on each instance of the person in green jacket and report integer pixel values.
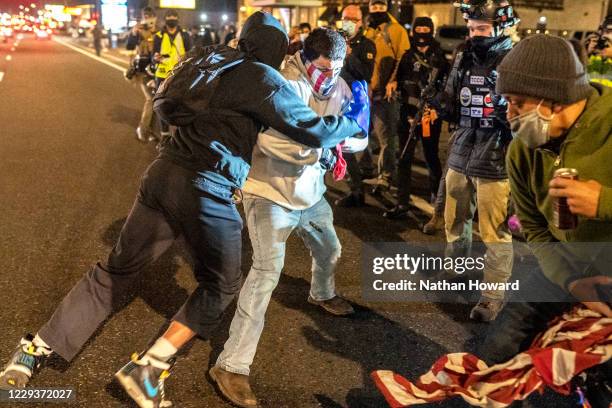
(558, 120)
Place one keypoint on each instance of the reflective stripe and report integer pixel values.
(175, 50)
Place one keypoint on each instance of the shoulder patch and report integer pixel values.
(370, 55)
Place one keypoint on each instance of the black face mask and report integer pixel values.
(423, 39)
(171, 23)
(378, 18)
(482, 45)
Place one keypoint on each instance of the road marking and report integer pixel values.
(422, 204)
(90, 55)
(117, 59)
(420, 170)
(1, 76)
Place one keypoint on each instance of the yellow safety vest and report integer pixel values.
(175, 49)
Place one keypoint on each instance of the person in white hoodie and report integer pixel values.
(284, 192)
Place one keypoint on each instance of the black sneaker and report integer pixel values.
(397, 212)
(24, 363)
(351, 200)
(143, 379)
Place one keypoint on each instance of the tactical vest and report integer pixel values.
(174, 49)
(476, 106)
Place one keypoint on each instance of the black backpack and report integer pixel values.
(188, 90)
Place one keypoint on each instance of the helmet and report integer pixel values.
(498, 11)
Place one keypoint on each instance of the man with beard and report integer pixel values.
(189, 191)
(477, 177)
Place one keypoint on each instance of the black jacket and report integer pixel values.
(219, 143)
(414, 71)
(469, 100)
(359, 65)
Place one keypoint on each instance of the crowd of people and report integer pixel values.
(282, 111)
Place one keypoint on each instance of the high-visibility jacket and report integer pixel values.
(173, 49)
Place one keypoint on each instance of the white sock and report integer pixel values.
(162, 349)
(38, 342)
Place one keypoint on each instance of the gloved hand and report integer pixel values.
(359, 108)
(328, 159)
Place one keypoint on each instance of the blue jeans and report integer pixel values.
(269, 228)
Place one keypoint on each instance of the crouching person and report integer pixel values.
(283, 193)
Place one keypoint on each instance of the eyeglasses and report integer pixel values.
(354, 20)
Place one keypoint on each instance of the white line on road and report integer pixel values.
(116, 58)
(1, 76)
(90, 55)
(422, 205)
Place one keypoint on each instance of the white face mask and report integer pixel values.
(349, 27)
(532, 128)
(303, 36)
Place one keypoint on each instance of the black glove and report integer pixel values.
(328, 159)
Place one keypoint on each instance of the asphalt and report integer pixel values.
(69, 170)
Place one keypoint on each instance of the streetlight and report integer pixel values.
(203, 16)
(224, 17)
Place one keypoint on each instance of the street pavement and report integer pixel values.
(70, 166)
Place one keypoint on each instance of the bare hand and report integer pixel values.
(585, 290)
(582, 196)
(390, 90)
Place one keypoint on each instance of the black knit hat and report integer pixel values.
(423, 22)
(545, 67)
(372, 2)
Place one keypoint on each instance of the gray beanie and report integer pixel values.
(546, 67)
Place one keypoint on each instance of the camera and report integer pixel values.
(138, 66)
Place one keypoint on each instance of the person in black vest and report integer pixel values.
(358, 66)
(424, 59)
(477, 177)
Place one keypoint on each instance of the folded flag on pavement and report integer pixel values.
(578, 340)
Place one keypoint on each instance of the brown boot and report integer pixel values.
(234, 387)
(435, 223)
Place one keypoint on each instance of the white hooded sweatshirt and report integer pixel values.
(286, 172)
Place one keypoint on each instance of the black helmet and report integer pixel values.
(498, 11)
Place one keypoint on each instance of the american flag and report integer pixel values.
(578, 340)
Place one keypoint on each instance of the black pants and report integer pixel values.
(172, 201)
(430, 150)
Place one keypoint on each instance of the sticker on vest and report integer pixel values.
(483, 90)
(465, 111)
(486, 112)
(477, 80)
(486, 123)
(488, 101)
(465, 122)
(416, 66)
(477, 100)
(465, 96)
(476, 113)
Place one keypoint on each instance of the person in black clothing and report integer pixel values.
(169, 45)
(189, 191)
(424, 59)
(476, 177)
(358, 66)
